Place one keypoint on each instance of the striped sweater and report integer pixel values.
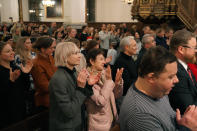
(140, 112)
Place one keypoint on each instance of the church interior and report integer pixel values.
(85, 19)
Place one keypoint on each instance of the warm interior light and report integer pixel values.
(48, 3)
(128, 1)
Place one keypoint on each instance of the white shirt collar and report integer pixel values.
(183, 64)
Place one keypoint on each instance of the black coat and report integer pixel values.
(12, 97)
(185, 92)
(130, 72)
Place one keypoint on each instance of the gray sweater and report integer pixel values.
(140, 112)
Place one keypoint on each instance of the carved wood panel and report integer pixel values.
(166, 9)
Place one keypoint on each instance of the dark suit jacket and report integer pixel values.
(66, 101)
(140, 56)
(185, 92)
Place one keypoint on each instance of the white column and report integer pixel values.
(9, 9)
(25, 5)
(78, 11)
(112, 11)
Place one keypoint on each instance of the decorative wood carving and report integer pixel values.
(166, 9)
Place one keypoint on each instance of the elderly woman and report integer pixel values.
(43, 69)
(101, 105)
(67, 91)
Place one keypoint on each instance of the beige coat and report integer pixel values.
(100, 107)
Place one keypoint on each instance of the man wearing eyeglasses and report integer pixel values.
(183, 46)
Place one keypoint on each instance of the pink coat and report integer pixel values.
(100, 107)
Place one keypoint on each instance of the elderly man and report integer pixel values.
(148, 41)
(146, 106)
(128, 48)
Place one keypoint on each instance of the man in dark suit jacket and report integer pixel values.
(183, 45)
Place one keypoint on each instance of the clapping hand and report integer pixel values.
(82, 78)
(108, 59)
(93, 79)
(118, 77)
(14, 75)
(189, 119)
(27, 67)
(108, 73)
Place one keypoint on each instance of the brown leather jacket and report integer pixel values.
(42, 71)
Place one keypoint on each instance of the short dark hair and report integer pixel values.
(43, 42)
(91, 44)
(155, 60)
(83, 27)
(92, 54)
(180, 37)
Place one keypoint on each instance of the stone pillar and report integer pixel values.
(9, 8)
(20, 10)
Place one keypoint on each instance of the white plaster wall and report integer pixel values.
(113, 11)
(78, 11)
(25, 6)
(9, 9)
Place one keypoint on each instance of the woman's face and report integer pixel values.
(7, 54)
(50, 50)
(28, 44)
(74, 58)
(98, 63)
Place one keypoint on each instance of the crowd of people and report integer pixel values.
(99, 79)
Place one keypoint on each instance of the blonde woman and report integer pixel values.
(23, 51)
(23, 58)
(67, 90)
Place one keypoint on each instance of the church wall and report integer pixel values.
(113, 11)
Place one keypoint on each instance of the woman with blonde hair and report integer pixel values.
(23, 57)
(23, 50)
(67, 90)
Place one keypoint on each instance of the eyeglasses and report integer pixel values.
(194, 48)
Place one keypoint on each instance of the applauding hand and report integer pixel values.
(82, 78)
(27, 67)
(108, 73)
(118, 77)
(14, 75)
(93, 79)
(189, 119)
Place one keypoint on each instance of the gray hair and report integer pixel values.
(125, 41)
(146, 39)
(63, 51)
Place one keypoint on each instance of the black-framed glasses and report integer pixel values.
(194, 48)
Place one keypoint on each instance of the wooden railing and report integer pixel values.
(38, 122)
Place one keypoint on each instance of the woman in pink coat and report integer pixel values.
(101, 105)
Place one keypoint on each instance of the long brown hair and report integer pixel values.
(24, 54)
